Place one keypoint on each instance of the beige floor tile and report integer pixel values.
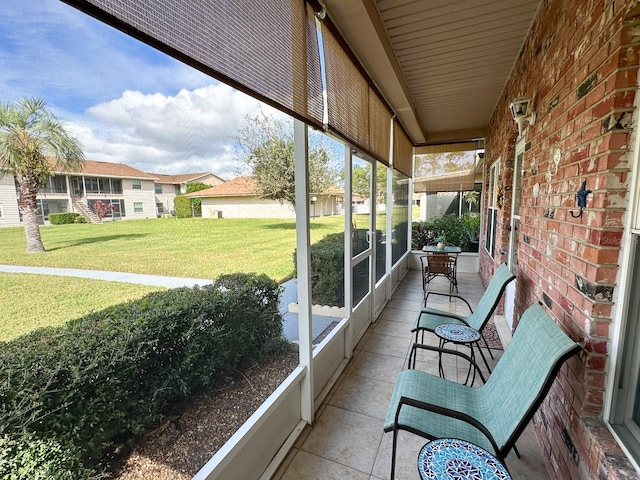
(306, 466)
(363, 395)
(387, 345)
(397, 315)
(393, 328)
(376, 366)
(531, 465)
(348, 438)
(409, 446)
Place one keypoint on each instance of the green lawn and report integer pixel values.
(198, 248)
(33, 301)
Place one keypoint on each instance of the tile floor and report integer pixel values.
(347, 441)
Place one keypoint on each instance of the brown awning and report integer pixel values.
(461, 181)
(447, 147)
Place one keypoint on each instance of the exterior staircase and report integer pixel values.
(80, 206)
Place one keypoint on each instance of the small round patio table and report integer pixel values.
(454, 459)
(460, 335)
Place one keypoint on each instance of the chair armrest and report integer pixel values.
(446, 412)
(433, 348)
(450, 295)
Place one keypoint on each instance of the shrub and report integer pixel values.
(327, 266)
(327, 270)
(105, 378)
(64, 218)
(24, 455)
(455, 230)
(183, 207)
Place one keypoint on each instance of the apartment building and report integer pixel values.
(132, 193)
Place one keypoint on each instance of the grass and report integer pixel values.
(24, 307)
(197, 248)
(193, 248)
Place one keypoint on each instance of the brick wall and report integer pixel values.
(579, 66)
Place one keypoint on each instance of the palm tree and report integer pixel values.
(471, 197)
(32, 144)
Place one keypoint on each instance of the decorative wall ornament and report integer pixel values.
(581, 197)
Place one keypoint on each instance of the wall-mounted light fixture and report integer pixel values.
(521, 111)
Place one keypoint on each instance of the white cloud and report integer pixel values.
(125, 101)
(191, 131)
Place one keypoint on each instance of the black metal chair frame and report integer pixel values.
(439, 263)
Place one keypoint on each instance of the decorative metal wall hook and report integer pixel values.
(582, 199)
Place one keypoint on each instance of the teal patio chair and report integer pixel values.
(429, 318)
(493, 415)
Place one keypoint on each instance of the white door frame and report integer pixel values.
(512, 257)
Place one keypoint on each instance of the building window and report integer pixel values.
(160, 207)
(158, 187)
(136, 184)
(493, 203)
(178, 191)
(625, 409)
(91, 185)
(1, 215)
(137, 207)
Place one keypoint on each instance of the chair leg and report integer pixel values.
(393, 453)
(484, 358)
(486, 344)
(515, 449)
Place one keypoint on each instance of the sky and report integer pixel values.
(124, 101)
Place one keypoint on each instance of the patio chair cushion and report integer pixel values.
(434, 407)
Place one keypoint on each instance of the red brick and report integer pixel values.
(624, 99)
(628, 57)
(596, 362)
(603, 107)
(594, 96)
(601, 329)
(627, 78)
(576, 110)
(613, 160)
(606, 238)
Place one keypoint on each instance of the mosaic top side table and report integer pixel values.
(461, 335)
(453, 459)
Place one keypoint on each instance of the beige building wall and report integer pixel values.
(145, 196)
(245, 207)
(9, 214)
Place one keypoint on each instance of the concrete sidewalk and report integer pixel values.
(153, 280)
(289, 294)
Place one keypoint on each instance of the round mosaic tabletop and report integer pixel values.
(457, 333)
(453, 459)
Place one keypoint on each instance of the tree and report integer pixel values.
(33, 143)
(265, 146)
(196, 203)
(471, 197)
(102, 209)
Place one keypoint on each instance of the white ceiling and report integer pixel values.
(440, 64)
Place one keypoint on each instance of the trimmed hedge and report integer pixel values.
(65, 218)
(104, 379)
(327, 266)
(182, 205)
